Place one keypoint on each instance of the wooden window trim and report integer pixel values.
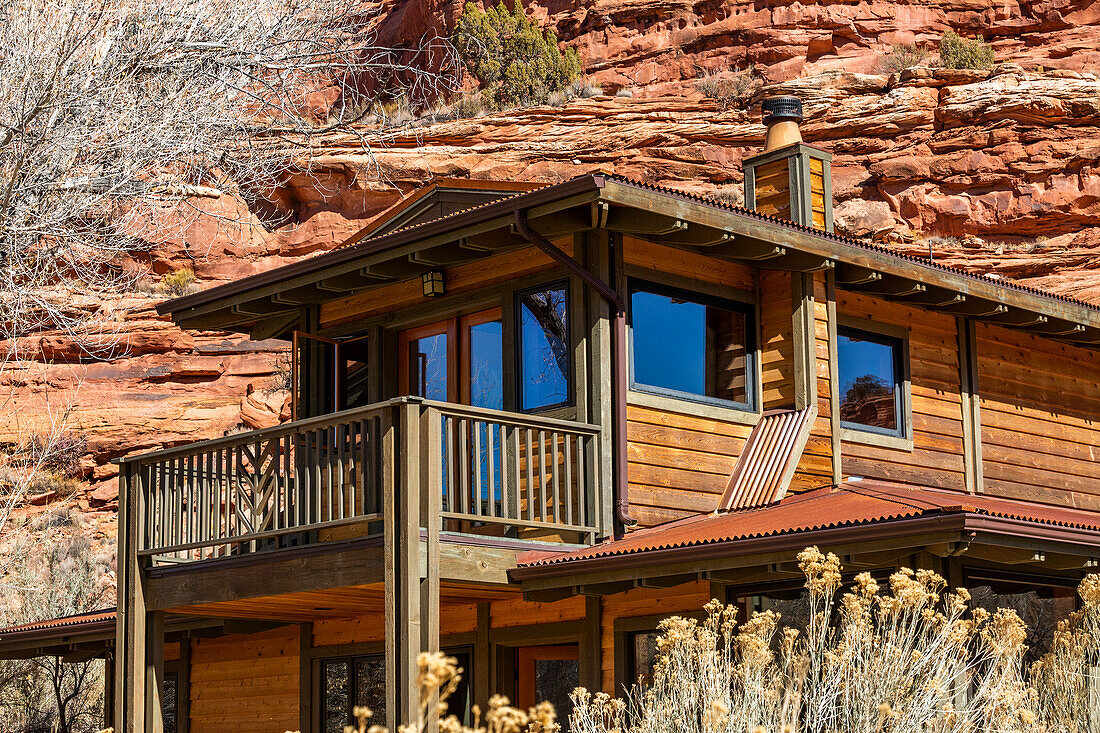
(527, 656)
(903, 439)
(465, 323)
(570, 400)
(747, 413)
(447, 327)
(623, 628)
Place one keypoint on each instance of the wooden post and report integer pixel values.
(407, 633)
(183, 688)
(597, 260)
(305, 678)
(154, 672)
(131, 639)
(482, 657)
(591, 656)
(388, 430)
(805, 359)
(430, 507)
(834, 378)
(973, 477)
(109, 690)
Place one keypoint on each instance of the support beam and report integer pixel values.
(633, 221)
(591, 652)
(305, 677)
(847, 274)
(744, 249)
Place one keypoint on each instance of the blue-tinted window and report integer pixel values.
(544, 348)
(870, 381)
(428, 367)
(690, 345)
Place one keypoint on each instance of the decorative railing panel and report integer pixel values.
(494, 473)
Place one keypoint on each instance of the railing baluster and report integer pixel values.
(341, 441)
(464, 465)
(567, 447)
(491, 490)
(478, 464)
(542, 476)
(554, 456)
(529, 458)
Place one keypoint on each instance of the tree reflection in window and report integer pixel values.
(870, 380)
(544, 348)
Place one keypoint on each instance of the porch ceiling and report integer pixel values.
(268, 305)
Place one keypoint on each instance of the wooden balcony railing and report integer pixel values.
(323, 478)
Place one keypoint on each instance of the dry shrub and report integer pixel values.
(438, 676)
(957, 52)
(913, 659)
(180, 282)
(902, 57)
(730, 88)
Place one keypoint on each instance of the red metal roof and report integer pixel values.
(80, 621)
(851, 503)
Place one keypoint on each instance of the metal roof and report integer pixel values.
(82, 622)
(853, 503)
(595, 184)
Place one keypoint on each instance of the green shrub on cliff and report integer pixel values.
(957, 52)
(515, 62)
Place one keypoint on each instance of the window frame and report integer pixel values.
(570, 381)
(898, 338)
(747, 310)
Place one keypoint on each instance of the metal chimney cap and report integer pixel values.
(781, 109)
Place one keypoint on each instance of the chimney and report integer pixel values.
(789, 179)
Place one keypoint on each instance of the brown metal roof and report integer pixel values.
(595, 183)
(92, 621)
(852, 503)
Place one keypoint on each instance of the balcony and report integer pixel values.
(346, 474)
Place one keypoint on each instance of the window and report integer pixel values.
(641, 657)
(690, 346)
(351, 682)
(544, 349)
(1040, 607)
(169, 705)
(872, 383)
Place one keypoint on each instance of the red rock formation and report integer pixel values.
(996, 171)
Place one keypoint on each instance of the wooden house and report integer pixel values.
(532, 421)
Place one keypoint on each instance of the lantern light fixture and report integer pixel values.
(433, 283)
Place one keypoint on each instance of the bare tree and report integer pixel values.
(123, 120)
(46, 694)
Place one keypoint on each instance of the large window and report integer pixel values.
(351, 682)
(690, 346)
(544, 351)
(872, 382)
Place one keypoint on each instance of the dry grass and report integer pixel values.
(910, 658)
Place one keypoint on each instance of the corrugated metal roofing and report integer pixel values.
(851, 503)
(80, 620)
(597, 180)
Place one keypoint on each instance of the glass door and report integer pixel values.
(426, 363)
(548, 673)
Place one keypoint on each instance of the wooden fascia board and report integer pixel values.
(623, 194)
(399, 245)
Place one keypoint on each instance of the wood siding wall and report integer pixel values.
(246, 684)
(816, 467)
(776, 340)
(681, 456)
(685, 598)
(1039, 410)
(936, 459)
